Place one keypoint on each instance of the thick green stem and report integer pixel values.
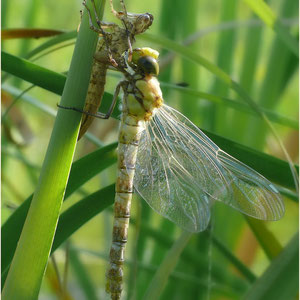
(31, 256)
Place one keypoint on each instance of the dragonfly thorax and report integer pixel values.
(145, 98)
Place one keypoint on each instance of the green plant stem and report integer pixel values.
(31, 256)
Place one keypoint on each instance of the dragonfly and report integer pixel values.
(109, 52)
(174, 166)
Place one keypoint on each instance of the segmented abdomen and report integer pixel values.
(127, 151)
(135, 114)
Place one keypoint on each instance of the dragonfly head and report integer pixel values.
(145, 60)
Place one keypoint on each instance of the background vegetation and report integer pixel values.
(225, 65)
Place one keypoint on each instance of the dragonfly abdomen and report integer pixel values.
(141, 97)
(127, 152)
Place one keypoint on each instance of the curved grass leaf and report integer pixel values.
(240, 106)
(223, 289)
(84, 280)
(234, 260)
(81, 171)
(77, 215)
(271, 167)
(42, 77)
(215, 116)
(266, 14)
(35, 74)
(288, 193)
(281, 280)
(278, 72)
(54, 82)
(17, 93)
(81, 212)
(63, 37)
(169, 263)
(266, 239)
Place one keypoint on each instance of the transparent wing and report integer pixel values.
(180, 172)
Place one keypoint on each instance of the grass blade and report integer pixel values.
(54, 82)
(278, 69)
(266, 239)
(266, 14)
(85, 210)
(37, 75)
(83, 277)
(225, 57)
(63, 37)
(31, 256)
(81, 171)
(169, 263)
(281, 280)
(33, 73)
(247, 75)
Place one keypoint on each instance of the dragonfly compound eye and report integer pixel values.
(148, 65)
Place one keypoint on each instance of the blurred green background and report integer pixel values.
(231, 37)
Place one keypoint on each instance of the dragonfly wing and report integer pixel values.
(166, 186)
(180, 172)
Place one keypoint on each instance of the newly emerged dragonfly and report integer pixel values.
(110, 48)
(174, 166)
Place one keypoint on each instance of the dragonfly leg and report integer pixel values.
(128, 40)
(90, 19)
(118, 15)
(124, 7)
(122, 84)
(100, 30)
(114, 12)
(97, 115)
(123, 18)
(127, 30)
(101, 115)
